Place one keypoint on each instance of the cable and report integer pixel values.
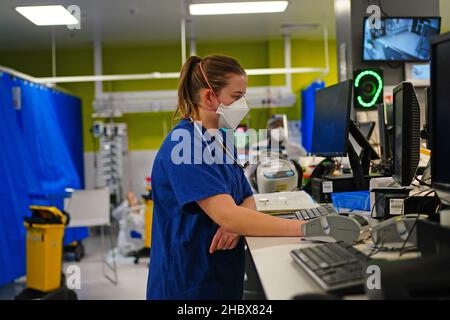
(376, 249)
(415, 195)
(375, 203)
(419, 208)
(422, 182)
(371, 215)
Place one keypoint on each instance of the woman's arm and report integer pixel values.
(225, 240)
(223, 210)
(249, 203)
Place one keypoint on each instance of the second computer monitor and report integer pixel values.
(331, 120)
(406, 133)
(385, 130)
(440, 117)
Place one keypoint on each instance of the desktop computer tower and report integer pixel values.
(321, 188)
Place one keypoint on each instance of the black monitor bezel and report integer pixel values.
(442, 189)
(382, 134)
(344, 153)
(397, 17)
(400, 87)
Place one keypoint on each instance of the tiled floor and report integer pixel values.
(132, 278)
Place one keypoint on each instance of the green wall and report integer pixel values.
(146, 130)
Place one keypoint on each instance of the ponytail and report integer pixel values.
(186, 100)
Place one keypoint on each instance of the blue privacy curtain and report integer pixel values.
(51, 124)
(69, 118)
(48, 151)
(41, 154)
(16, 182)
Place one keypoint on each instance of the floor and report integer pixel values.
(405, 41)
(132, 278)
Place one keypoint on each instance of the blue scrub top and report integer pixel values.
(181, 266)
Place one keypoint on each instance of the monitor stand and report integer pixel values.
(360, 164)
(322, 186)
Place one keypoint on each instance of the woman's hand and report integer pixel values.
(224, 240)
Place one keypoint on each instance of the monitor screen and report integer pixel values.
(331, 118)
(440, 117)
(399, 39)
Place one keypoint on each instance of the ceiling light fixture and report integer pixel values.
(47, 15)
(237, 7)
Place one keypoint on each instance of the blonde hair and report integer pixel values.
(217, 69)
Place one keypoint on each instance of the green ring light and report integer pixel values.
(377, 94)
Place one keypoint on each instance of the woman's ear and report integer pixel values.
(207, 98)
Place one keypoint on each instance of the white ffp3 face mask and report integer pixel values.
(230, 116)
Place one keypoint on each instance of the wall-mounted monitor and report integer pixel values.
(399, 38)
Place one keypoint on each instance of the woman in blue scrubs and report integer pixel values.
(203, 203)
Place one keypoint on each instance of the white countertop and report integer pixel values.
(281, 278)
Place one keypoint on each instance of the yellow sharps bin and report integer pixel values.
(45, 231)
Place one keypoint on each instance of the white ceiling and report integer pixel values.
(149, 21)
(146, 21)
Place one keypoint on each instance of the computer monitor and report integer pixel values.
(440, 116)
(331, 120)
(385, 133)
(399, 38)
(427, 124)
(406, 133)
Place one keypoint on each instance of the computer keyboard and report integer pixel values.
(307, 214)
(338, 268)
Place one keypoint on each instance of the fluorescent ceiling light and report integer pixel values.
(237, 7)
(47, 15)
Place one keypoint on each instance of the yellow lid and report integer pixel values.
(53, 210)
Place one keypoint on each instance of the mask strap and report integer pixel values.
(206, 79)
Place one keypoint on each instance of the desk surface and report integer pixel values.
(281, 278)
